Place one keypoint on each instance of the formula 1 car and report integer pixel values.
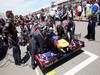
(50, 57)
(58, 49)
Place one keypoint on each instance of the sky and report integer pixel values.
(23, 6)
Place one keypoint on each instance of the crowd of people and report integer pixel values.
(23, 30)
(34, 30)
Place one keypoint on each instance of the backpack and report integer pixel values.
(95, 8)
(25, 58)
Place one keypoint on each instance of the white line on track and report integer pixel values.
(83, 64)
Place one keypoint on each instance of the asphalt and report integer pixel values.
(7, 66)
